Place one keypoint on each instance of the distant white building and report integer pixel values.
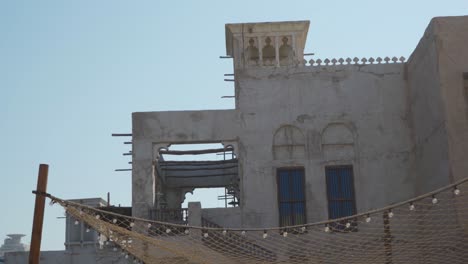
(81, 244)
(13, 244)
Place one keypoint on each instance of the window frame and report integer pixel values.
(304, 201)
(340, 225)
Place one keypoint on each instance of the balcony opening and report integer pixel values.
(207, 173)
(211, 198)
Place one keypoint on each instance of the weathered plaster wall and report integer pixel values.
(225, 217)
(430, 150)
(369, 101)
(152, 130)
(451, 35)
(438, 103)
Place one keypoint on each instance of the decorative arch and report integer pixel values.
(337, 134)
(338, 143)
(289, 143)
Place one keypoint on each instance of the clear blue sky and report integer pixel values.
(72, 72)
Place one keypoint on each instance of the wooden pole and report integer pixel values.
(387, 238)
(35, 249)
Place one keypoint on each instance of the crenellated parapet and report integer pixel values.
(349, 61)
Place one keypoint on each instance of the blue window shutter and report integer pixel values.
(291, 196)
(340, 191)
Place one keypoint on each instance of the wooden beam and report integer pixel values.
(199, 168)
(38, 221)
(195, 162)
(193, 152)
(201, 176)
(121, 135)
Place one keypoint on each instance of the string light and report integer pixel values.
(168, 230)
(132, 224)
(205, 235)
(456, 191)
(98, 216)
(149, 225)
(87, 230)
(434, 200)
(368, 219)
(186, 231)
(77, 222)
(224, 232)
(285, 234)
(243, 233)
(348, 225)
(114, 221)
(390, 214)
(327, 229)
(411, 207)
(265, 234)
(303, 229)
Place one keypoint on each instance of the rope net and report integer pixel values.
(432, 228)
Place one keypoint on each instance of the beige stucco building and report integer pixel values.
(386, 129)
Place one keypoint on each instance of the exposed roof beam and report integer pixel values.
(194, 152)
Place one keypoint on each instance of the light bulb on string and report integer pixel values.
(132, 224)
(390, 214)
(149, 225)
(327, 229)
(285, 234)
(87, 230)
(243, 233)
(224, 232)
(205, 235)
(98, 216)
(265, 234)
(168, 230)
(77, 222)
(187, 231)
(348, 225)
(303, 229)
(434, 200)
(456, 191)
(114, 220)
(412, 207)
(368, 219)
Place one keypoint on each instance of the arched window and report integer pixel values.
(288, 143)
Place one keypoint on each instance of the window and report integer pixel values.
(291, 196)
(341, 198)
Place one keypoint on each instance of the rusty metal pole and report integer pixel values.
(35, 249)
(387, 238)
